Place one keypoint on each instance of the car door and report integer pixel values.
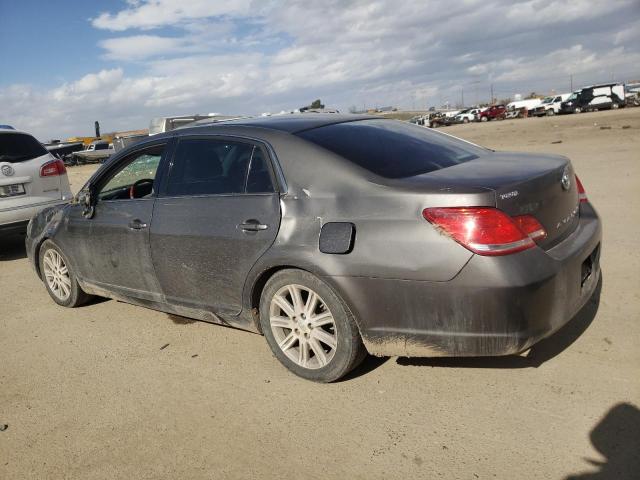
(218, 212)
(113, 243)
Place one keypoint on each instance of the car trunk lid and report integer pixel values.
(23, 184)
(524, 184)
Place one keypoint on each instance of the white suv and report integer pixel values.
(30, 179)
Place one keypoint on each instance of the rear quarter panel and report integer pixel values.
(392, 239)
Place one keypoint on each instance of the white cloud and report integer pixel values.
(138, 47)
(91, 84)
(156, 13)
(243, 56)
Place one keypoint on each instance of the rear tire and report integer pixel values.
(484, 119)
(59, 278)
(308, 327)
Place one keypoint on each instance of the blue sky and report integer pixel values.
(49, 36)
(68, 63)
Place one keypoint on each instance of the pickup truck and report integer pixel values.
(494, 112)
(550, 105)
(466, 116)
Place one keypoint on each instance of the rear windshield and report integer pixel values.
(392, 149)
(18, 147)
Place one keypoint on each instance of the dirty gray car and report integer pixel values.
(333, 236)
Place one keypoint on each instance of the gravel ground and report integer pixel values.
(89, 393)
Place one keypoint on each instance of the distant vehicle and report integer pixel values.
(98, 151)
(166, 124)
(632, 94)
(97, 145)
(437, 119)
(494, 112)
(6, 127)
(62, 150)
(466, 116)
(31, 179)
(120, 143)
(550, 105)
(595, 97)
(332, 235)
(530, 104)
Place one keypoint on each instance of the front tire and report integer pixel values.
(308, 327)
(484, 119)
(58, 277)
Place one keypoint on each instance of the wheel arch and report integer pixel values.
(254, 294)
(36, 254)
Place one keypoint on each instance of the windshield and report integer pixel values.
(573, 96)
(547, 100)
(19, 147)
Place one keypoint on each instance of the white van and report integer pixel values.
(595, 97)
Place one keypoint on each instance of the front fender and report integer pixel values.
(42, 226)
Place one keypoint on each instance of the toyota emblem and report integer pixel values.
(565, 181)
(7, 170)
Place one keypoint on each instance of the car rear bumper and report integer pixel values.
(494, 306)
(22, 214)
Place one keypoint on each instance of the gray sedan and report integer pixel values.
(333, 236)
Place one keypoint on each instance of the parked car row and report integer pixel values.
(586, 99)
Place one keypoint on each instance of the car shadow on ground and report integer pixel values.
(12, 247)
(538, 354)
(617, 438)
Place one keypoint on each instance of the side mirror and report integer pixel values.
(86, 199)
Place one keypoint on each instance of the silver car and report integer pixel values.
(30, 179)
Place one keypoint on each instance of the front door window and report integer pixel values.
(134, 179)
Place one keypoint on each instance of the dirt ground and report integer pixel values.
(90, 393)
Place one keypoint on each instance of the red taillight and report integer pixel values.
(529, 225)
(486, 230)
(582, 194)
(53, 168)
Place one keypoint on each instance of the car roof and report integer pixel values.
(290, 123)
(13, 131)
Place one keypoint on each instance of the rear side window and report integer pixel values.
(259, 178)
(18, 147)
(209, 167)
(392, 149)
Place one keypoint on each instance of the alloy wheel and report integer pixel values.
(303, 326)
(56, 274)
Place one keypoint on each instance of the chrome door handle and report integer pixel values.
(253, 226)
(137, 225)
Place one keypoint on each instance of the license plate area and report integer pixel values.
(11, 190)
(589, 265)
